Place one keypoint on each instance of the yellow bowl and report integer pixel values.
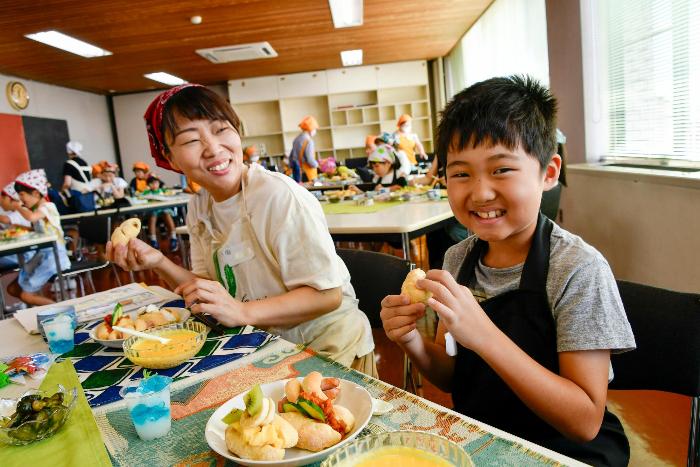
(389, 448)
(186, 340)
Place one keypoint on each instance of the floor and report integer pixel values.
(656, 423)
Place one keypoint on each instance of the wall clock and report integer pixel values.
(17, 95)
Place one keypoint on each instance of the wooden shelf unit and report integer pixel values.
(348, 103)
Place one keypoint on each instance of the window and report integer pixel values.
(509, 38)
(641, 60)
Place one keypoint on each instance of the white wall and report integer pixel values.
(648, 231)
(86, 113)
(131, 132)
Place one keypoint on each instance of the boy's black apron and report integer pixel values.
(525, 317)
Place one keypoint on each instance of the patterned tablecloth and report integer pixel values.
(192, 405)
(103, 371)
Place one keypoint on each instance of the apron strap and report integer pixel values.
(535, 269)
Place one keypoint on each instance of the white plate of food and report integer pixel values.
(142, 319)
(313, 434)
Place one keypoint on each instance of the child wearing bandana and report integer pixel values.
(31, 188)
(252, 261)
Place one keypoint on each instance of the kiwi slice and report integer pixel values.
(232, 416)
(312, 409)
(253, 400)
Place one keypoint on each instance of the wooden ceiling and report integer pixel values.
(157, 35)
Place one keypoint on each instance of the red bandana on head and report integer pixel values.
(154, 124)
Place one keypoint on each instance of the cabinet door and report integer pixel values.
(361, 78)
(303, 84)
(393, 75)
(259, 89)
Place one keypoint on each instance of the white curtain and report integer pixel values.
(641, 75)
(509, 38)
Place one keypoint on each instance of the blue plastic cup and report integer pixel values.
(50, 312)
(149, 406)
(60, 332)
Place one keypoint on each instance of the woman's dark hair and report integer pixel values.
(22, 188)
(197, 103)
(512, 111)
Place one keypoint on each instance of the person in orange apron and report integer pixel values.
(408, 142)
(139, 183)
(303, 154)
(260, 247)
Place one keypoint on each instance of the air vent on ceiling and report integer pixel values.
(237, 53)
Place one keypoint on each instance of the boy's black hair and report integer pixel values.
(153, 178)
(511, 111)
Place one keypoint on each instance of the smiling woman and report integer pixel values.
(253, 259)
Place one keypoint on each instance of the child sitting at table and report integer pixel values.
(386, 167)
(32, 187)
(10, 217)
(139, 183)
(155, 187)
(109, 185)
(531, 311)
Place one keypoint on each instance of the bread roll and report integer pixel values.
(313, 435)
(285, 436)
(345, 416)
(128, 229)
(409, 287)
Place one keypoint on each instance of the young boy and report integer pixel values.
(32, 187)
(155, 187)
(534, 310)
(10, 203)
(139, 183)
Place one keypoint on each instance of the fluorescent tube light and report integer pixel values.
(165, 78)
(351, 57)
(346, 13)
(68, 43)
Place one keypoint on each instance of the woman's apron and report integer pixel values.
(311, 172)
(242, 266)
(85, 172)
(408, 146)
(525, 317)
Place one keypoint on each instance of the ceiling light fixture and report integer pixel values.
(351, 57)
(346, 13)
(165, 78)
(68, 43)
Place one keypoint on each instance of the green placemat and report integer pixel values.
(349, 207)
(77, 443)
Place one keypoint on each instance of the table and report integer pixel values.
(195, 399)
(404, 221)
(177, 201)
(32, 242)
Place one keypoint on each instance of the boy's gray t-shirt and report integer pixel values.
(581, 290)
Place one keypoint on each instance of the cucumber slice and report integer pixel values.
(312, 409)
(232, 416)
(290, 407)
(117, 314)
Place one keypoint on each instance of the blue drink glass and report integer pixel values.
(59, 330)
(149, 406)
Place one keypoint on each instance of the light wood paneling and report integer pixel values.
(148, 36)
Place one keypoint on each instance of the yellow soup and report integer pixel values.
(395, 456)
(181, 340)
